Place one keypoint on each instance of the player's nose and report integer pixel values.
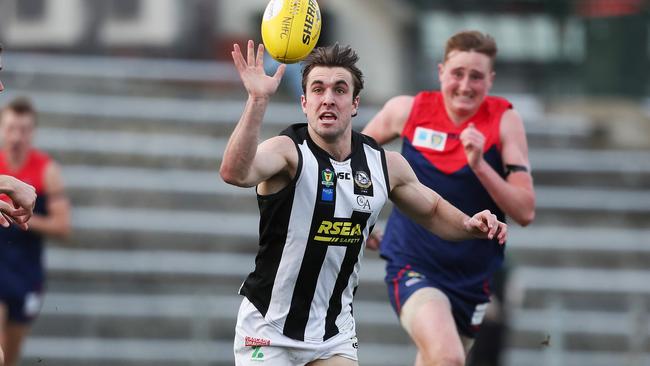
(328, 98)
(464, 84)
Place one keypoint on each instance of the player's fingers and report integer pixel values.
(250, 56)
(22, 225)
(479, 222)
(279, 72)
(4, 222)
(260, 55)
(8, 218)
(237, 57)
(6, 208)
(503, 231)
(21, 211)
(493, 224)
(19, 219)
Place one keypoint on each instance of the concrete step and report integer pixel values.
(122, 75)
(118, 110)
(119, 269)
(132, 352)
(205, 139)
(542, 356)
(562, 207)
(554, 247)
(604, 168)
(553, 131)
(186, 149)
(178, 316)
(583, 288)
(170, 270)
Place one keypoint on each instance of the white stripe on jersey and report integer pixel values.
(297, 238)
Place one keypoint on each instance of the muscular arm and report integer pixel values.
(433, 212)
(388, 124)
(57, 221)
(514, 195)
(245, 164)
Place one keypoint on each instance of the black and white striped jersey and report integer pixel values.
(312, 235)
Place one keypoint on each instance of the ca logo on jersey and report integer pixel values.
(363, 204)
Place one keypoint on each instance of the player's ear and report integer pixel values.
(355, 106)
(303, 103)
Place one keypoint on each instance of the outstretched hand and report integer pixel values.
(486, 226)
(23, 197)
(251, 71)
(374, 240)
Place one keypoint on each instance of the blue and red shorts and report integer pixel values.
(402, 282)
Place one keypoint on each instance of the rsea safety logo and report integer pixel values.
(338, 233)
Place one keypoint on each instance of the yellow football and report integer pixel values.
(290, 29)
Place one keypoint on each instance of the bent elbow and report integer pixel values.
(527, 215)
(231, 178)
(63, 232)
(66, 233)
(526, 218)
(227, 175)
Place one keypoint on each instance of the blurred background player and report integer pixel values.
(23, 199)
(23, 196)
(472, 149)
(22, 276)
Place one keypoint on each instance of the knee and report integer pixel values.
(453, 360)
(449, 359)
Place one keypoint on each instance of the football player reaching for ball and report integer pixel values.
(320, 187)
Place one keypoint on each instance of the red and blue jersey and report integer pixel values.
(432, 146)
(21, 251)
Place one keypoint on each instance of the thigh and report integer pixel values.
(262, 355)
(256, 341)
(427, 317)
(334, 361)
(338, 351)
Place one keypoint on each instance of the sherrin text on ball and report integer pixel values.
(290, 29)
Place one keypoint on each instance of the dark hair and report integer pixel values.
(472, 41)
(21, 106)
(333, 56)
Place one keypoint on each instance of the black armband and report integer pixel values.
(513, 168)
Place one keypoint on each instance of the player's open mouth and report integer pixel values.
(327, 116)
